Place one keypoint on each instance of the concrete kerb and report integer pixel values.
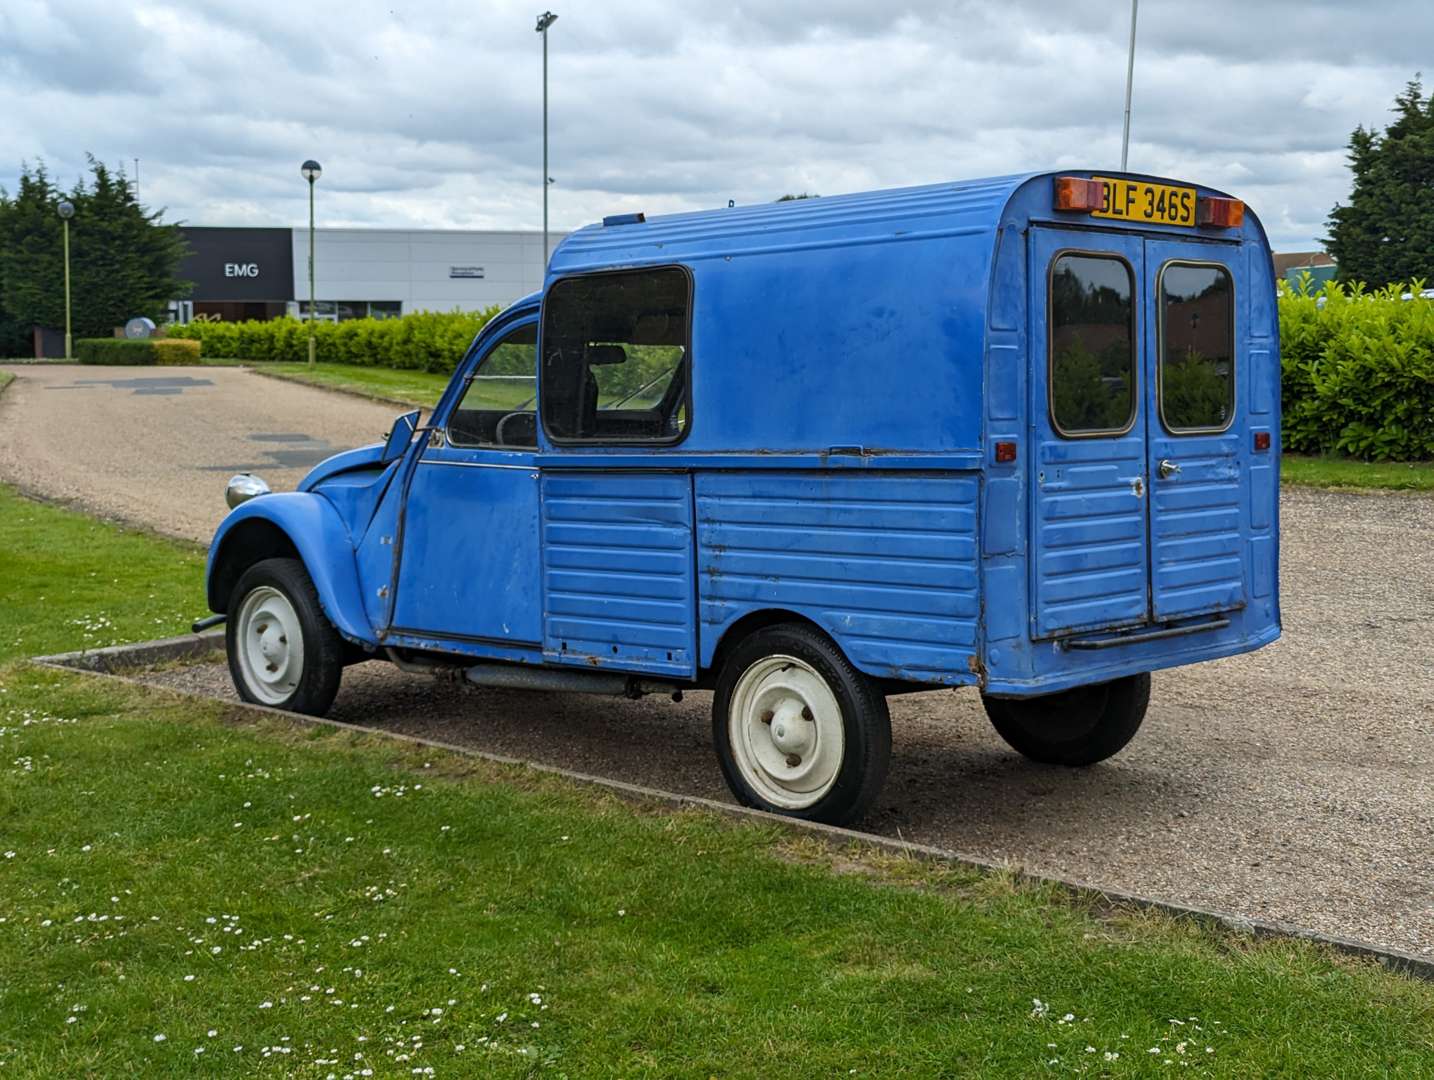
(113, 662)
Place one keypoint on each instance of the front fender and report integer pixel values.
(292, 524)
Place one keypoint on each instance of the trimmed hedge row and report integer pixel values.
(1358, 372)
(125, 351)
(424, 341)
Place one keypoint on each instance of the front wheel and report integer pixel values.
(283, 651)
(1074, 727)
(798, 730)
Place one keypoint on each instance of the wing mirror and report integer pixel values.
(399, 436)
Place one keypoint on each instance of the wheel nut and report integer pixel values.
(807, 714)
(793, 760)
(767, 716)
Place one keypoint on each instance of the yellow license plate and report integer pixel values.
(1135, 200)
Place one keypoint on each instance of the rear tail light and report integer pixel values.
(1073, 193)
(1262, 440)
(1221, 213)
(1005, 453)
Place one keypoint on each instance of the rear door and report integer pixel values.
(1195, 464)
(1090, 563)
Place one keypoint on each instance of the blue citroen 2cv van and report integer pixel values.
(1019, 434)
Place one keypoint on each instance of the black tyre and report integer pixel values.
(798, 730)
(283, 651)
(1074, 727)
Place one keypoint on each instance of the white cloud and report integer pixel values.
(429, 114)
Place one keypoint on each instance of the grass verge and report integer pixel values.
(6, 378)
(185, 888)
(277, 900)
(1332, 472)
(68, 581)
(420, 389)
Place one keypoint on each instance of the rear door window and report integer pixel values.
(1092, 346)
(1197, 347)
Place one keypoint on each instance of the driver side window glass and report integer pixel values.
(499, 407)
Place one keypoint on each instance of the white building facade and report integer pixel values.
(243, 273)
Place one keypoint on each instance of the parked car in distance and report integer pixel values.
(1018, 434)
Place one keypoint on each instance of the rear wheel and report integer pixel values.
(798, 730)
(283, 651)
(1074, 727)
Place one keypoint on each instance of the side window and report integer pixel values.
(499, 406)
(1092, 351)
(1197, 347)
(615, 362)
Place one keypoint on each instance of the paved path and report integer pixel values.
(1295, 784)
(156, 445)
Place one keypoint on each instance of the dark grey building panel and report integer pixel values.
(239, 264)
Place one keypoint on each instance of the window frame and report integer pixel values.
(669, 440)
(1160, 348)
(1136, 381)
(473, 372)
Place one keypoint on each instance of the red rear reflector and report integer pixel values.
(1262, 440)
(1005, 453)
(1221, 213)
(1073, 193)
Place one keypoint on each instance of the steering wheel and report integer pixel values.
(521, 418)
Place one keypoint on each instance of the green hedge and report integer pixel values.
(424, 341)
(1358, 372)
(124, 351)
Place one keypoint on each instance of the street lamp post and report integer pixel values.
(66, 210)
(1129, 82)
(311, 171)
(545, 20)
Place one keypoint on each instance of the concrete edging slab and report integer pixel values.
(113, 661)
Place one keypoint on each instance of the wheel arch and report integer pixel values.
(750, 623)
(294, 525)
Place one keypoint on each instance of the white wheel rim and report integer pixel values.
(784, 725)
(270, 643)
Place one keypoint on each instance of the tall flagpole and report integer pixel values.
(1129, 82)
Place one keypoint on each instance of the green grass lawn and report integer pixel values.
(420, 389)
(1332, 472)
(186, 889)
(6, 379)
(68, 581)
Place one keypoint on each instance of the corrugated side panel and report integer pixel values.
(1197, 558)
(1090, 542)
(885, 563)
(617, 570)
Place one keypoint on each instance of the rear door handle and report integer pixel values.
(1168, 468)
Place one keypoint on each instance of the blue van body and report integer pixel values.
(870, 448)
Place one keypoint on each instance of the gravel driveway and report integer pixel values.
(155, 445)
(1294, 784)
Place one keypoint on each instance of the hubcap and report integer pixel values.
(270, 645)
(785, 729)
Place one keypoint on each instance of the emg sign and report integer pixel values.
(241, 270)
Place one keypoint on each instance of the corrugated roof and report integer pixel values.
(955, 208)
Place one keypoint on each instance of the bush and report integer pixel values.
(425, 341)
(1358, 371)
(128, 352)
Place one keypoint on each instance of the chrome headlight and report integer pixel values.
(242, 488)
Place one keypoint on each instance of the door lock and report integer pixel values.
(1168, 468)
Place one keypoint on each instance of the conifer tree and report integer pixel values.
(1386, 232)
(123, 258)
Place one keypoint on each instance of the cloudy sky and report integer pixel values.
(429, 114)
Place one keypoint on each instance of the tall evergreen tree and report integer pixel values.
(1386, 233)
(123, 259)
